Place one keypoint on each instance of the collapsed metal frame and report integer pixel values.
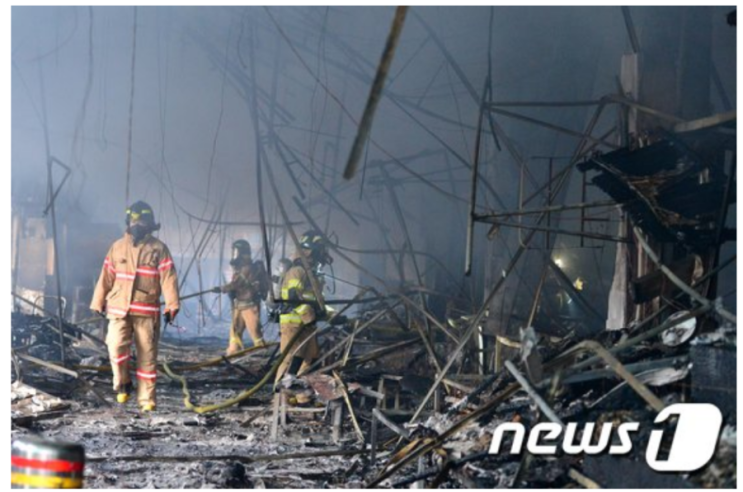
(475, 218)
(486, 108)
(497, 219)
(543, 212)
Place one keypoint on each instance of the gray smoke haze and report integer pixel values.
(193, 149)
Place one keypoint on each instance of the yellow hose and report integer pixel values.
(215, 361)
(242, 396)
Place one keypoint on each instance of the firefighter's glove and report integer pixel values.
(170, 315)
(102, 313)
(320, 314)
(338, 320)
(217, 290)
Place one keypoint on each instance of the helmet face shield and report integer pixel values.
(140, 220)
(314, 246)
(240, 252)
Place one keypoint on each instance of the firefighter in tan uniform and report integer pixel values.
(295, 287)
(137, 269)
(249, 285)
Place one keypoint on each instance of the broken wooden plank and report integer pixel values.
(343, 390)
(381, 417)
(375, 93)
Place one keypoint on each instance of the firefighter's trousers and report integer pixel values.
(305, 347)
(242, 318)
(145, 330)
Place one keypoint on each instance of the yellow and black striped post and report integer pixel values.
(38, 463)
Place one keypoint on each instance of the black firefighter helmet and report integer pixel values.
(140, 212)
(313, 244)
(240, 252)
(140, 220)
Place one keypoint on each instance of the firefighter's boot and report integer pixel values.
(123, 393)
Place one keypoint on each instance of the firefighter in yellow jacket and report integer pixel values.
(138, 268)
(296, 287)
(249, 285)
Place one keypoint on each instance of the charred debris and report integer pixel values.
(408, 390)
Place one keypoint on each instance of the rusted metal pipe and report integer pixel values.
(473, 187)
(555, 208)
(552, 126)
(590, 235)
(376, 92)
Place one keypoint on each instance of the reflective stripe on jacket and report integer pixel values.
(133, 278)
(296, 278)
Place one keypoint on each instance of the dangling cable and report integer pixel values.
(131, 110)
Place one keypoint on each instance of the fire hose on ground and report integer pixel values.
(242, 396)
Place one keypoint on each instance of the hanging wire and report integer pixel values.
(131, 110)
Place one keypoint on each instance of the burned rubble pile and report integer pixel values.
(39, 336)
(353, 422)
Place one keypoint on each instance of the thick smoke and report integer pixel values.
(203, 78)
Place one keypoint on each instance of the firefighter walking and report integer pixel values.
(249, 285)
(138, 268)
(297, 316)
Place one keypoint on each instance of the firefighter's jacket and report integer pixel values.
(133, 278)
(296, 286)
(248, 286)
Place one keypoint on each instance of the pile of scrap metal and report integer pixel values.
(41, 373)
(28, 403)
(586, 384)
(677, 346)
(39, 336)
(380, 372)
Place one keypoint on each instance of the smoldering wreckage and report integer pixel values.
(397, 393)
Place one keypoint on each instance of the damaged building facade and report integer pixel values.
(526, 218)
